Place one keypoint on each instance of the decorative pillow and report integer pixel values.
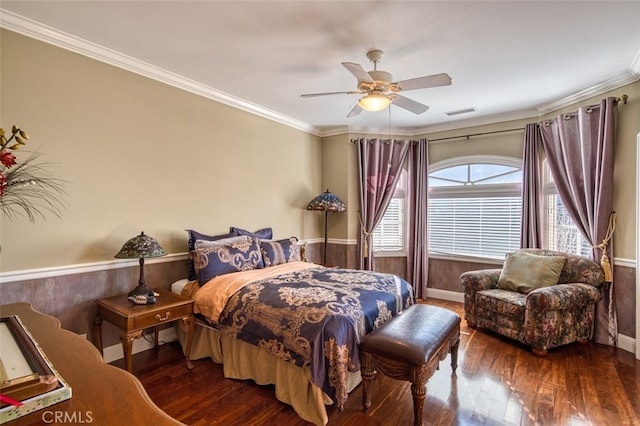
(281, 251)
(243, 255)
(193, 236)
(263, 233)
(221, 242)
(524, 272)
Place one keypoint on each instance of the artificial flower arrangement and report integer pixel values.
(25, 187)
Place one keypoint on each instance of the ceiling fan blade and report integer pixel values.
(358, 72)
(355, 111)
(311, 95)
(435, 80)
(409, 104)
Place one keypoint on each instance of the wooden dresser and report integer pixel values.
(101, 393)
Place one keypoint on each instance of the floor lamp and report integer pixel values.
(326, 202)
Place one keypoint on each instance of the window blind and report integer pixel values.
(483, 227)
(388, 236)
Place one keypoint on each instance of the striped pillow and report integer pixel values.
(281, 251)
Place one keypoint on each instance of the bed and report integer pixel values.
(268, 315)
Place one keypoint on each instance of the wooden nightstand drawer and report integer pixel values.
(163, 316)
(132, 319)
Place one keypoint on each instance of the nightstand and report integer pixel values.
(132, 319)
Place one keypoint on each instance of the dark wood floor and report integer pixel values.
(498, 382)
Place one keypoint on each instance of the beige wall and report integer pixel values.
(336, 166)
(142, 155)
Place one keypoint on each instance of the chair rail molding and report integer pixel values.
(57, 271)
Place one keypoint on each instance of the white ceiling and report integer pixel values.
(507, 59)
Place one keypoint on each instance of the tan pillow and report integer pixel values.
(524, 272)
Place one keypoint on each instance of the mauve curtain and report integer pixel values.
(417, 197)
(579, 150)
(379, 163)
(531, 231)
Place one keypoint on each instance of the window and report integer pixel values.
(389, 235)
(475, 206)
(561, 233)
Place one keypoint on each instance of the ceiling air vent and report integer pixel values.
(461, 111)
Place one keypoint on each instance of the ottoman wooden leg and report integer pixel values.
(368, 373)
(419, 392)
(454, 358)
(454, 350)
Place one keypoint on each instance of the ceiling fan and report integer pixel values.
(379, 89)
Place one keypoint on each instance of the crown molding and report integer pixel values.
(627, 77)
(333, 131)
(44, 33)
(479, 121)
(635, 65)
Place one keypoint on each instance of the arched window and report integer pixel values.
(475, 206)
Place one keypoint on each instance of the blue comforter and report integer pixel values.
(315, 318)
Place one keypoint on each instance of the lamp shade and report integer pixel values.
(374, 102)
(327, 202)
(141, 246)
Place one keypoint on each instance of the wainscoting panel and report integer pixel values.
(71, 298)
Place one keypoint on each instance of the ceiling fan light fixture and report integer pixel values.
(374, 102)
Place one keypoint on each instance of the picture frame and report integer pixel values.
(23, 371)
(28, 380)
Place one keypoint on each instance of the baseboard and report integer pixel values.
(452, 296)
(624, 342)
(627, 343)
(115, 352)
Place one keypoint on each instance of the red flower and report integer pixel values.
(7, 158)
(3, 182)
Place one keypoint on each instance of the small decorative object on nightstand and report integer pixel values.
(141, 246)
(133, 319)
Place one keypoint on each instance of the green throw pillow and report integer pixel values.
(524, 272)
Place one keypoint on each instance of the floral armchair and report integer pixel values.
(543, 317)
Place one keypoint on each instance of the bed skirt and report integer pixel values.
(245, 361)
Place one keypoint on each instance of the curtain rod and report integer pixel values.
(464, 136)
(475, 134)
(622, 98)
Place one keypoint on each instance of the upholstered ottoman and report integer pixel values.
(409, 347)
